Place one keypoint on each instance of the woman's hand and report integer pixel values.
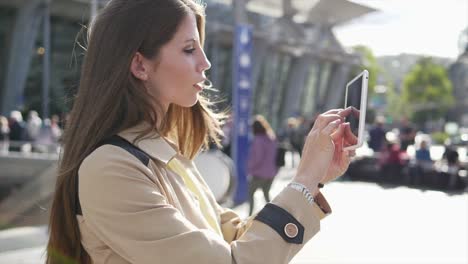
(322, 158)
(342, 137)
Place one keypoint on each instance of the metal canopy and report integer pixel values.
(327, 12)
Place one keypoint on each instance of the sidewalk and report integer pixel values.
(374, 225)
(369, 225)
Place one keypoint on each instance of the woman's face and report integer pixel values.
(179, 68)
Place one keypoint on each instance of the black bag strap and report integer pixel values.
(118, 141)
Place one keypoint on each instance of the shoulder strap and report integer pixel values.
(123, 143)
(118, 141)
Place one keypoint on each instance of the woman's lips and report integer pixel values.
(198, 87)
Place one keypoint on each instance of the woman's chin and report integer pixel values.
(189, 103)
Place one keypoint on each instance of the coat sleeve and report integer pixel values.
(125, 209)
(233, 226)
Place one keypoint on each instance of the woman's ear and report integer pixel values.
(139, 67)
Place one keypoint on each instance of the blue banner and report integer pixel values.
(241, 93)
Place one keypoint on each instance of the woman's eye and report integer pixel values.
(189, 51)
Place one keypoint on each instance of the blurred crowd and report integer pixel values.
(391, 145)
(397, 153)
(33, 135)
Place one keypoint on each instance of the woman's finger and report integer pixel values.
(339, 133)
(349, 137)
(332, 127)
(323, 120)
(346, 112)
(333, 111)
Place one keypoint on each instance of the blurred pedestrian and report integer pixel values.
(377, 135)
(4, 135)
(298, 133)
(423, 154)
(391, 162)
(451, 157)
(261, 162)
(48, 137)
(18, 132)
(33, 125)
(407, 134)
(422, 169)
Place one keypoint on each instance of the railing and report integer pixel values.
(28, 147)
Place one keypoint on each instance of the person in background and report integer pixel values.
(407, 134)
(55, 128)
(423, 155)
(48, 137)
(421, 170)
(391, 162)
(33, 126)
(298, 134)
(377, 135)
(261, 162)
(451, 157)
(4, 135)
(17, 131)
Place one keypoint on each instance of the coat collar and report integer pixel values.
(154, 145)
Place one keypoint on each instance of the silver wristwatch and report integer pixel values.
(304, 190)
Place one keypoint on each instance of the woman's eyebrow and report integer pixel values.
(190, 40)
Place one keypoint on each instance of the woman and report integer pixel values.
(4, 135)
(137, 197)
(261, 164)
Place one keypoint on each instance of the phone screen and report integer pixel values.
(353, 99)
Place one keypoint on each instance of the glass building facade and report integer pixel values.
(286, 83)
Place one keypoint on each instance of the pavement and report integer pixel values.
(384, 225)
(370, 224)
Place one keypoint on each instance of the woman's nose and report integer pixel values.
(204, 63)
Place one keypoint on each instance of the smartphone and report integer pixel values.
(356, 97)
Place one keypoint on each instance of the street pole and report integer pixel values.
(241, 94)
(240, 12)
(46, 61)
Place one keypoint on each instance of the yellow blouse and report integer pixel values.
(176, 166)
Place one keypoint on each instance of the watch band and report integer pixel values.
(304, 190)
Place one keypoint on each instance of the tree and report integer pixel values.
(427, 91)
(369, 63)
(395, 106)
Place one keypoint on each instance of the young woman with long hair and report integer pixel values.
(127, 190)
(261, 163)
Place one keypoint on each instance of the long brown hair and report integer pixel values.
(110, 99)
(260, 126)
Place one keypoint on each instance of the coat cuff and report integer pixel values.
(292, 217)
(282, 222)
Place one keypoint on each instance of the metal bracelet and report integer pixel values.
(304, 190)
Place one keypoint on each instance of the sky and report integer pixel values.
(426, 27)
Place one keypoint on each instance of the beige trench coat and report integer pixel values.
(132, 213)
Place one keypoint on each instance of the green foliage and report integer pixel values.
(369, 63)
(439, 137)
(4, 226)
(427, 92)
(396, 107)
